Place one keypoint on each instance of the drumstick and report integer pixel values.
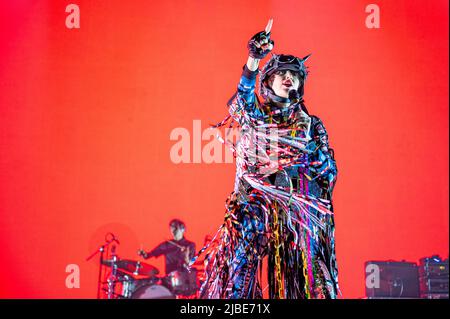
(179, 246)
(141, 251)
(269, 25)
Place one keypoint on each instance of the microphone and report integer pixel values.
(113, 238)
(294, 96)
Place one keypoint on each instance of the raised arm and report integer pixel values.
(156, 252)
(258, 47)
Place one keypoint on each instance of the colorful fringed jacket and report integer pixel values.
(280, 208)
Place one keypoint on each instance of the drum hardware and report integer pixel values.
(131, 284)
(132, 267)
(131, 279)
(127, 286)
(152, 291)
(109, 238)
(138, 266)
(176, 285)
(183, 283)
(130, 276)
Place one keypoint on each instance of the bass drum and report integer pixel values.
(152, 292)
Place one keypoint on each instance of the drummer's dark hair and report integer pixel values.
(177, 223)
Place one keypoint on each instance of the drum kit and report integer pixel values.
(138, 280)
(132, 279)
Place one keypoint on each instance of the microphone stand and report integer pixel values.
(101, 249)
(113, 276)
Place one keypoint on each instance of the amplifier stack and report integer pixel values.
(433, 278)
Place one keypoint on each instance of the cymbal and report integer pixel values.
(138, 267)
(108, 262)
(133, 267)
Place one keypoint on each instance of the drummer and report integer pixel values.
(178, 251)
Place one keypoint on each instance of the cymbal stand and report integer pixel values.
(113, 275)
(100, 250)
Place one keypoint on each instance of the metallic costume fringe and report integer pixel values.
(283, 221)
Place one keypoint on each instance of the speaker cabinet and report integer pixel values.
(392, 279)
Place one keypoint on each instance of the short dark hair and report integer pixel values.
(177, 224)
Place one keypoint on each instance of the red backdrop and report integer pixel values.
(86, 115)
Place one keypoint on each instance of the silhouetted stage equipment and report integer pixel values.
(433, 278)
(392, 279)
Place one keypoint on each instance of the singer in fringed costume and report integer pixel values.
(281, 206)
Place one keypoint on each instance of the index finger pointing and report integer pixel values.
(269, 25)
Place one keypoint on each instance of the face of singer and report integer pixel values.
(283, 81)
(177, 232)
